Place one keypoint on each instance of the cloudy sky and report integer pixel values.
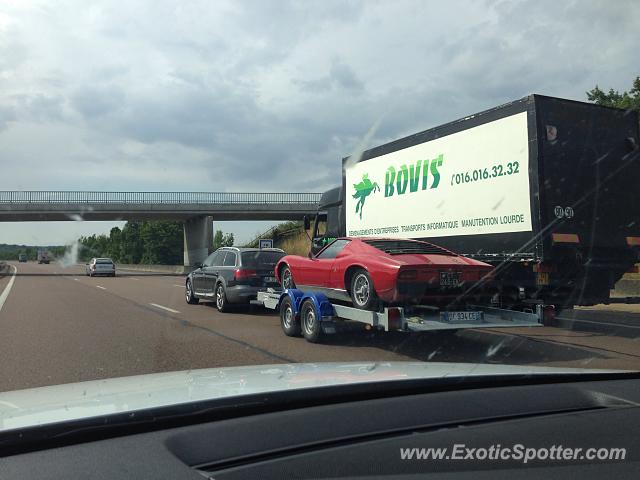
(269, 95)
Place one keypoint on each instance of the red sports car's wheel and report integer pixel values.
(286, 278)
(363, 294)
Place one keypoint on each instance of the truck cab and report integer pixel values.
(329, 221)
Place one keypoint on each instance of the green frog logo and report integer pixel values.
(363, 190)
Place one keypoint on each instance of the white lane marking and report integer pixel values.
(7, 289)
(101, 287)
(132, 278)
(77, 280)
(181, 286)
(164, 308)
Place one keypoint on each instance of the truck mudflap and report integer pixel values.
(414, 319)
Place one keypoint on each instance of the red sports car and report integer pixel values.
(365, 271)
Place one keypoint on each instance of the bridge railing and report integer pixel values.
(156, 198)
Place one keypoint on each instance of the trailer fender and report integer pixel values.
(296, 299)
(324, 309)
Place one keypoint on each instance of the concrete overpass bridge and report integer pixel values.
(196, 209)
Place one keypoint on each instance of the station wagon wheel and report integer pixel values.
(286, 278)
(362, 292)
(290, 325)
(190, 297)
(311, 328)
(221, 298)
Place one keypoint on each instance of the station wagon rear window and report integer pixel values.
(259, 259)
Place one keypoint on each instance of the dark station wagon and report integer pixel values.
(233, 275)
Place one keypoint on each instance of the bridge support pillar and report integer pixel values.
(198, 239)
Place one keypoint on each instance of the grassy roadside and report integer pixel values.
(289, 236)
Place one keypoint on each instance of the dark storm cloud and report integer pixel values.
(340, 76)
(7, 114)
(260, 95)
(42, 107)
(271, 95)
(97, 101)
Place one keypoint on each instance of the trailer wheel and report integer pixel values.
(362, 292)
(311, 328)
(290, 325)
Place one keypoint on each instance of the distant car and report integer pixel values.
(365, 271)
(22, 258)
(100, 266)
(233, 275)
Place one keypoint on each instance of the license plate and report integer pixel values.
(450, 279)
(461, 317)
(270, 280)
(542, 278)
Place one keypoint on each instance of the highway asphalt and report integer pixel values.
(59, 326)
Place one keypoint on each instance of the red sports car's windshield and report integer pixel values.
(395, 247)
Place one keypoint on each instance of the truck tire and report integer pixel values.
(363, 295)
(311, 328)
(290, 325)
(189, 295)
(286, 278)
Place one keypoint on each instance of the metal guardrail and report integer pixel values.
(155, 198)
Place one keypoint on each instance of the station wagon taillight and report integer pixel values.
(243, 274)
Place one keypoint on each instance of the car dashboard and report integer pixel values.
(348, 431)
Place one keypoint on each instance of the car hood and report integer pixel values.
(59, 403)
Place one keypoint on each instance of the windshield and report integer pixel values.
(398, 247)
(470, 168)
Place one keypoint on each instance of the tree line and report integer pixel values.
(148, 242)
(613, 98)
(11, 252)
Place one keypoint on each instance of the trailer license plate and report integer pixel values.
(270, 280)
(461, 317)
(450, 279)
